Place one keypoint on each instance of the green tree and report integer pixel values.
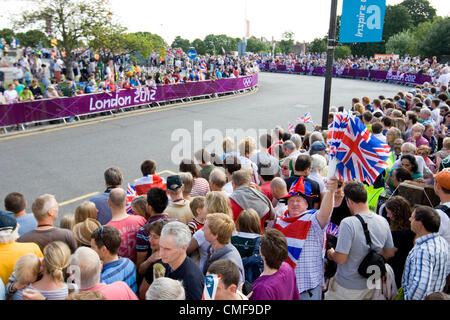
(436, 40)
(199, 46)
(420, 10)
(71, 21)
(402, 43)
(287, 42)
(341, 52)
(179, 42)
(32, 38)
(256, 46)
(7, 34)
(215, 43)
(318, 45)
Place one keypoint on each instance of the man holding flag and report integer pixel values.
(305, 233)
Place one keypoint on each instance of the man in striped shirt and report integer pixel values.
(427, 265)
(106, 242)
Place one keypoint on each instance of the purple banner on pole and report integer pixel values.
(411, 78)
(40, 110)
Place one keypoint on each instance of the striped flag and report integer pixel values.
(358, 154)
(131, 194)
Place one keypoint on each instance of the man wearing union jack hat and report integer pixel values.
(305, 231)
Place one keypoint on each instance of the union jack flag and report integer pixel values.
(359, 155)
(131, 194)
(306, 119)
(203, 67)
(295, 229)
(290, 67)
(333, 229)
(291, 128)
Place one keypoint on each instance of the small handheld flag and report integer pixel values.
(306, 119)
(210, 289)
(131, 194)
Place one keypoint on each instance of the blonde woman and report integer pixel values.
(216, 201)
(52, 285)
(85, 210)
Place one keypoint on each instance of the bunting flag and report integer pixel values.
(211, 284)
(131, 194)
(357, 153)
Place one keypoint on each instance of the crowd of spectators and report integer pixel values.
(34, 77)
(391, 63)
(262, 215)
(268, 220)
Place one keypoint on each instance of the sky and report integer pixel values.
(198, 18)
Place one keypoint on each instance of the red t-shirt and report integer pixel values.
(128, 229)
(266, 190)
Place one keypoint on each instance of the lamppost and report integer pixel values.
(330, 57)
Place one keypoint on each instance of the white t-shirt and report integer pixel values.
(444, 229)
(228, 188)
(444, 79)
(11, 95)
(204, 245)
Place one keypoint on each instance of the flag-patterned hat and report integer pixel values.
(302, 187)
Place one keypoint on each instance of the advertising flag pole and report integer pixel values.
(330, 58)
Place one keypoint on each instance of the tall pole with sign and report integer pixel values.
(330, 59)
(361, 21)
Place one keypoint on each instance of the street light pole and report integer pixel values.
(330, 58)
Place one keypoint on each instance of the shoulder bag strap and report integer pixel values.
(366, 230)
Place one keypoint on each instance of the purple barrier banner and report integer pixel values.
(411, 78)
(39, 110)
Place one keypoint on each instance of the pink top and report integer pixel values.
(420, 141)
(128, 229)
(118, 290)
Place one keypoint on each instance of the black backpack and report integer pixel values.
(373, 258)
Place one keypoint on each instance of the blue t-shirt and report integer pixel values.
(104, 211)
(120, 270)
(27, 223)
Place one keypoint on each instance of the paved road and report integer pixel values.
(70, 162)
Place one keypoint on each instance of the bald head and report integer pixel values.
(117, 198)
(88, 263)
(278, 187)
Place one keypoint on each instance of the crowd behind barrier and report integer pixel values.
(377, 75)
(264, 215)
(49, 109)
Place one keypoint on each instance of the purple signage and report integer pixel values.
(407, 78)
(40, 110)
